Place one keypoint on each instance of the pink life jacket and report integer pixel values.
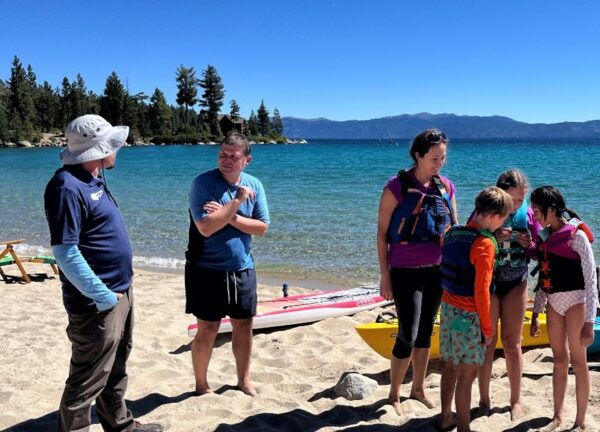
(559, 265)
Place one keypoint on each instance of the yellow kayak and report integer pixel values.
(380, 336)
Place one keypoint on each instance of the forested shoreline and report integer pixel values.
(33, 112)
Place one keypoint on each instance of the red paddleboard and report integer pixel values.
(306, 308)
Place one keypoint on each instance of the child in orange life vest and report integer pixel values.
(468, 260)
(567, 283)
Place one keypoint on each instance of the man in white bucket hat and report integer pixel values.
(92, 248)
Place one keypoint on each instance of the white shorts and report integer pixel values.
(561, 302)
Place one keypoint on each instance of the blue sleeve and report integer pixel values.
(199, 195)
(79, 273)
(261, 209)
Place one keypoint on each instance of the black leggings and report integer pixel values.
(417, 295)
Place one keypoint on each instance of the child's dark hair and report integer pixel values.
(424, 141)
(493, 201)
(548, 197)
(512, 178)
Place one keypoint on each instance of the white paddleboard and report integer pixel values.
(306, 308)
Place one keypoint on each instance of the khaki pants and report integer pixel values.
(101, 343)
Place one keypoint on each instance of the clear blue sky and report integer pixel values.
(531, 60)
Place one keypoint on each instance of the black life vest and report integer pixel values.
(457, 271)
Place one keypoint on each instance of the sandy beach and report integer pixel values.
(294, 369)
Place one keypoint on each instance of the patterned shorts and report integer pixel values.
(460, 336)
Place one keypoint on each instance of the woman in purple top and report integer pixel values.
(416, 209)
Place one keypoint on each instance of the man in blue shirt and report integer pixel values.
(227, 207)
(91, 246)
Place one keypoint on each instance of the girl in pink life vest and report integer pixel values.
(567, 285)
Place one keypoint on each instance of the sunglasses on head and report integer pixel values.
(435, 137)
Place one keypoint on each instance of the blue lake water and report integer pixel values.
(323, 196)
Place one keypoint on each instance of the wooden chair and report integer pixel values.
(43, 259)
(9, 256)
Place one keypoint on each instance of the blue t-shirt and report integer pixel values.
(81, 212)
(229, 248)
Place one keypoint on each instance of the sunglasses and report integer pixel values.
(435, 137)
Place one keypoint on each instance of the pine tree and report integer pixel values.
(187, 88)
(33, 86)
(79, 97)
(160, 116)
(31, 78)
(235, 109)
(277, 123)
(212, 98)
(4, 134)
(264, 124)
(253, 124)
(48, 107)
(35, 94)
(93, 103)
(21, 109)
(66, 111)
(112, 104)
(181, 125)
(134, 113)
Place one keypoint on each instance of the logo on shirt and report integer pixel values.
(97, 195)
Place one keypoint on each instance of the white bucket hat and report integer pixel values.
(90, 137)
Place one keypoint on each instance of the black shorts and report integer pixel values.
(210, 295)
(501, 288)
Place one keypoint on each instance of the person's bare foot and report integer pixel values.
(203, 389)
(397, 407)
(395, 403)
(516, 412)
(552, 426)
(422, 397)
(247, 388)
(447, 422)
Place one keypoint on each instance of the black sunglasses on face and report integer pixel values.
(436, 137)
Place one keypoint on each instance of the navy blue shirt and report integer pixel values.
(81, 212)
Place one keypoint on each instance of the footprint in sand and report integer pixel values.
(273, 362)
(220, 413)
(294, 388)
(267, 377)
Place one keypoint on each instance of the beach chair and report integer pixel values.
(6, 260)
(8, 256)
(43, 259)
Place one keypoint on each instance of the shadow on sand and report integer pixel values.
(139, 408)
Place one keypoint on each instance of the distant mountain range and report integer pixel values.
(455, 126)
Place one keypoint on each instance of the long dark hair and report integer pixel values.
(547, 197)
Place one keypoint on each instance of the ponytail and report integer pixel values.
(571, 213)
